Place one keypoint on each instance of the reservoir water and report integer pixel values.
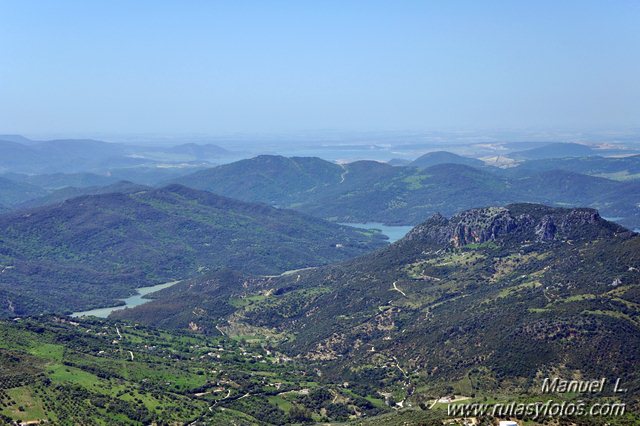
(130, 302)
(393, 232)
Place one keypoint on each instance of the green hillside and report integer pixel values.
(368, 191)
(487, 301)
(62, 372)
(58, 371)
(89, 251)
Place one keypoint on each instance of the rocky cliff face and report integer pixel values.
(481, 225)
(522, 221)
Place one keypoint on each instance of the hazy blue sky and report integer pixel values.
(284, 66)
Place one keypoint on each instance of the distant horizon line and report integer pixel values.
(331, 134)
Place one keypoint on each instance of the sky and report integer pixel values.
(217, 67)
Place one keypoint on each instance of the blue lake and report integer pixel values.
(393, 232)
(130, 302)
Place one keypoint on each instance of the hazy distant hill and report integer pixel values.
(58, 155)
(70, 192)
(17, 157)
(200, 152)
(24, 191)
(410, 195)
(16, 138)
(69, 156)
(492, 296)
(61, 180)
(307, 183)
(619, 168)
(368, 191)
(267, 178)
(12, 193)
(78, 149)
(90, 250)
(562, 187)
(444, 157)
(141, 174)
(398, 162)
(554, 150)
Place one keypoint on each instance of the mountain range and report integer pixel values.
(368, 191)
(277, 315)
(91, 250)
(489, 299)
(21, 155)
(361, 191)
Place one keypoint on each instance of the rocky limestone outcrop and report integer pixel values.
(481, 225)
(434, 229)
(522, 222)
(546, 229)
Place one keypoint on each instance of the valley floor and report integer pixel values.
(58, 370)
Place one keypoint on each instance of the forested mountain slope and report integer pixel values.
(497, 296)
(90, 250)
(368, 191)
